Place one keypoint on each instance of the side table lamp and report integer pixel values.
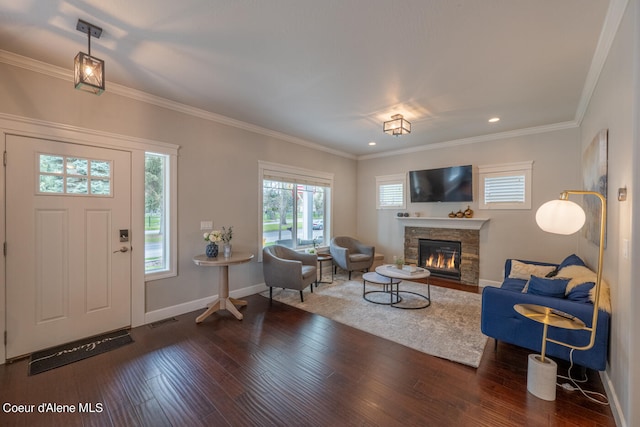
(561, 216)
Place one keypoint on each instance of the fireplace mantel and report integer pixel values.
(438, 222)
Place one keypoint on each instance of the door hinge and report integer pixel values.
(4, 158)
(4, 248)
(5, 337)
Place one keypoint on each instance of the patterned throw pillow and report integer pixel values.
(523, 270)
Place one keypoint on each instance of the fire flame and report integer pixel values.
(441, 262)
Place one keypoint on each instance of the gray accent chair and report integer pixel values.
(350, 254)
(285, 268)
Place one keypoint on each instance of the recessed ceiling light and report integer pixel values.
(372, 143)
(494, 119)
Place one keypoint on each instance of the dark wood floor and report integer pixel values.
(286, 367)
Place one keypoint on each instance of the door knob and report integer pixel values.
(122, 249)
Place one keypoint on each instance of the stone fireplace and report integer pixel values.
(467, 270)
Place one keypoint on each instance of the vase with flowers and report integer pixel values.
(225, 236)
(212, 237)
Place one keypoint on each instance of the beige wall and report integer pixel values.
(614, 106)
(509, 233)
(217, 171)
(218, 181)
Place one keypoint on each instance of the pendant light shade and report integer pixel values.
(88, 74)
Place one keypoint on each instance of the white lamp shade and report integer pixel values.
(560, 217)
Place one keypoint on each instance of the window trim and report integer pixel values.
(269, 171)
(390, 180)
(505, 169)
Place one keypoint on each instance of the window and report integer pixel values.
(506, 186)
(390, 192)
(295, 206)
(73, 176)
(159, 218)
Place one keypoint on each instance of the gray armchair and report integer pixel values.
(285, 268)
(349, 254)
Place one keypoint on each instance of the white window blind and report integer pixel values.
(505, 186)
(501, 189)
(390, 192)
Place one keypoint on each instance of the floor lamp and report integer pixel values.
(561, 216)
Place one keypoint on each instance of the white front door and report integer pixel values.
(68, 275)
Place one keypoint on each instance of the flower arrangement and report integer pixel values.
(216, 236)
(212, 236)
(226, 234)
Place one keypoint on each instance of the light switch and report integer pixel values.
(206, 225)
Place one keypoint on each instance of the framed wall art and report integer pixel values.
(594, 176)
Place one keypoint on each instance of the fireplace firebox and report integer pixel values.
(440, 257)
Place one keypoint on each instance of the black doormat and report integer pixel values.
(52, 358)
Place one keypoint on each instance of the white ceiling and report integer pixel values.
(330, 72)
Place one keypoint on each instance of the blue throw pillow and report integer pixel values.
(572, 259)
(547, 287)
(580, 293)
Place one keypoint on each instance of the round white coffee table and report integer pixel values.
(408, 299)
(387, 289)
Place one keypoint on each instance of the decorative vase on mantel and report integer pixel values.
(211, 250)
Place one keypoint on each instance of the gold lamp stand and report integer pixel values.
(561, 217)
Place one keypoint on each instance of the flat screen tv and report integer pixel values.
(452, 184)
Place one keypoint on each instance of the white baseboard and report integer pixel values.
(199, 304)
(614, 403)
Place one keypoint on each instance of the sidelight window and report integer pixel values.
(160, 217)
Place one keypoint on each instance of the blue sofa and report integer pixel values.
(500, 321)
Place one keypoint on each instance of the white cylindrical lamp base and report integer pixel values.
(541, 377)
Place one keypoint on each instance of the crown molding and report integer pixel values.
(476, 139)
(607, 35)
(40, 67)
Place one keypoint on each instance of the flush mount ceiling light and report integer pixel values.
(88, 70)
(397, 126)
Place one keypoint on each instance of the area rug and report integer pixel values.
(65, 354)
(449, 328)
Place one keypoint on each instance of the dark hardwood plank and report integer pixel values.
(283, 366)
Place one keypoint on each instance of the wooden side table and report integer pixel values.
(224, 301)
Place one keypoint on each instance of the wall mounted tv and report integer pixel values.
(452, 184)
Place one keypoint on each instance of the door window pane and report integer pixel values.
(77, 186)
(51, 164)
(100, 168)
(51, 184)
(100, 186)
(73, 176)
(77, 166)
